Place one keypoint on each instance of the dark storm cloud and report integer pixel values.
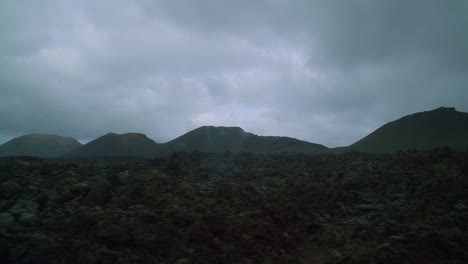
(323, 71)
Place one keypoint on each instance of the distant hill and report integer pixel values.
(425, 130)
(116, 145)
(442, 127)
(274, 144)
(205, 139)
(235, 139)
(39, 145)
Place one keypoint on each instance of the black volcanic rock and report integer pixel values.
(442, 127)
(406, 207)
(116, 145)
(40, 145)
(235, 139)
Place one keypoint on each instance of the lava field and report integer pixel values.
(407, 207)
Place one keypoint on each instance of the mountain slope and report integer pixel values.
(275, 144)
(208, 139)
(39, 145)
(235, 139)
(116, 145)
(425, 130)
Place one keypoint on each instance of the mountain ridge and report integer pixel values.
(38, 144)
(440, 127)
(235, 139)
(116, 145)
(204, 139)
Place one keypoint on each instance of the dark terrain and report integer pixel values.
(235, 139)
(441, 127)
(39, 145)
(407, 207)
(114, 145)
(205, 139)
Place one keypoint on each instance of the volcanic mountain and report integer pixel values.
(116, 145)
(442, 127)
(235, 139)
(39, 145)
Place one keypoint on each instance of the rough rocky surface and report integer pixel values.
(408, 207)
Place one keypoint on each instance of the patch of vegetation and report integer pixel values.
(407, 207)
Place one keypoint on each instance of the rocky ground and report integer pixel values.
(409, 207)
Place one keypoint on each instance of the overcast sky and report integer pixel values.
(326, 71)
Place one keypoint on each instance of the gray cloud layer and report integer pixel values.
(323, 71)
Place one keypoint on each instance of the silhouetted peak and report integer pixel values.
(117, 145)
(440, 127)
(125, 135)
(220, 128)
(134, 135)
(37, 144)
(110, 134)
(210, 131)
(46, 137)
(40, 135)
(43, 136)
(444, 109)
